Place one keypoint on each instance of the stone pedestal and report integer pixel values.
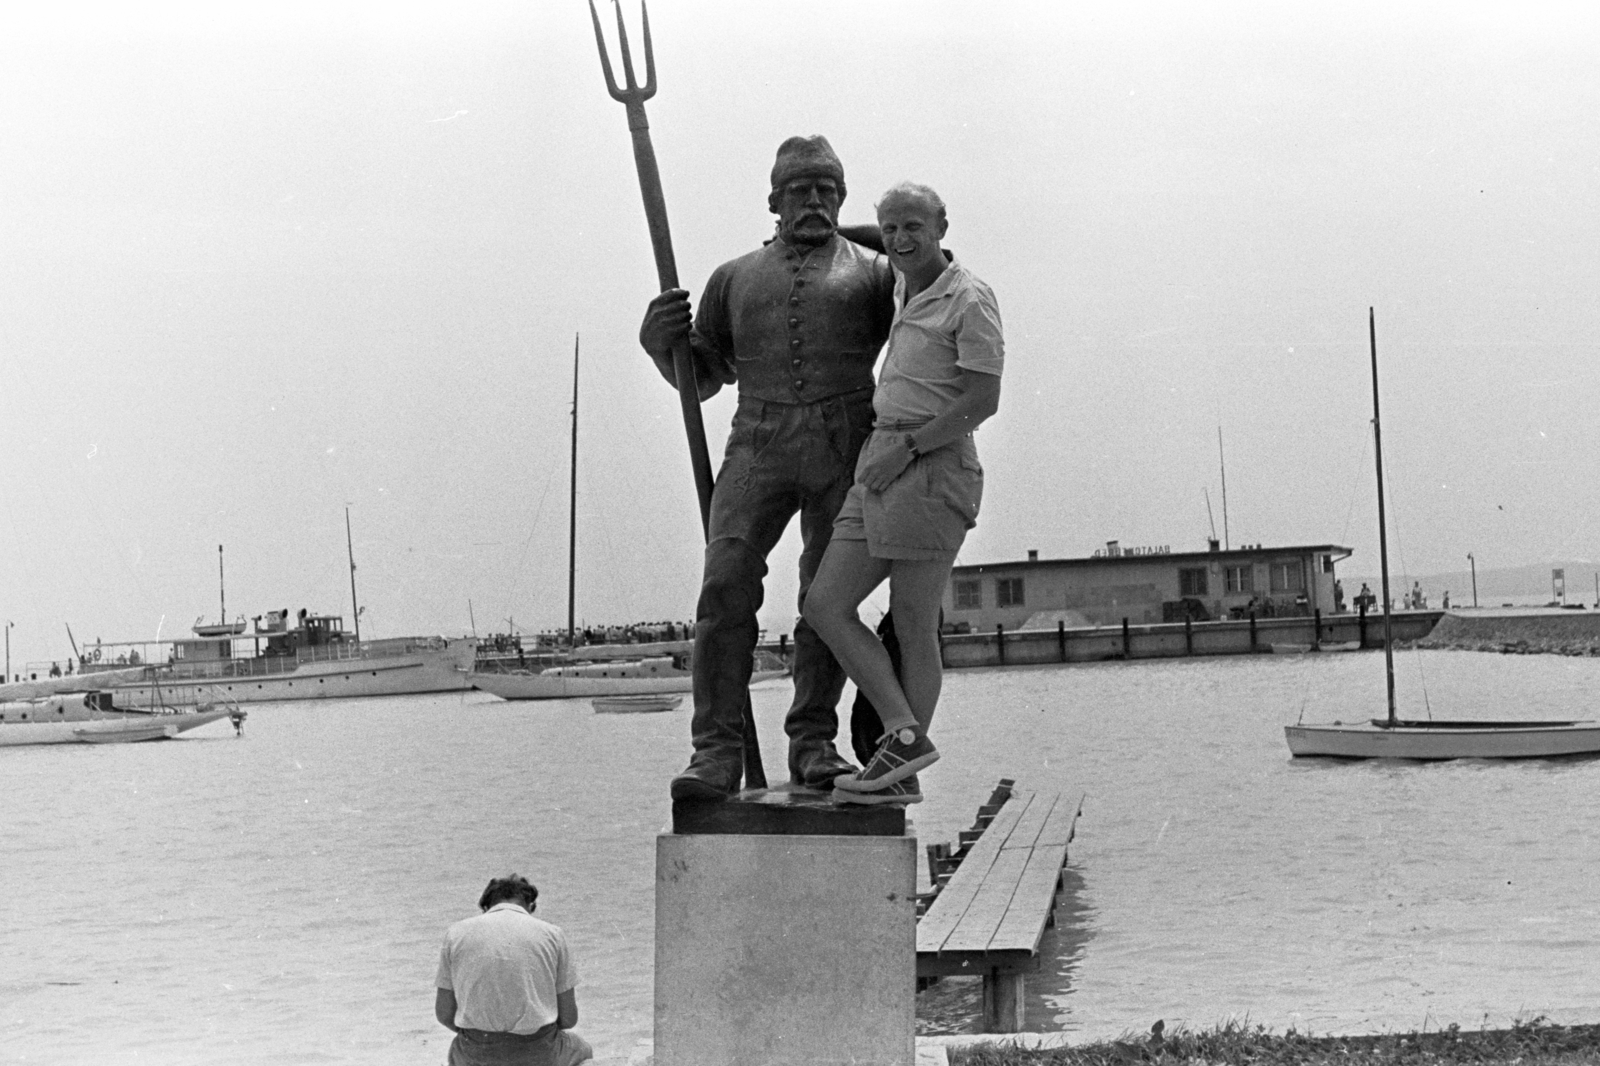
(785, 949)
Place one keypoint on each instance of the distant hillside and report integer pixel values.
(1518, 585)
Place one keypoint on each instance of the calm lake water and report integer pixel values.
(280, 898)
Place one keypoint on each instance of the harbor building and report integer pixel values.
(1146, 585)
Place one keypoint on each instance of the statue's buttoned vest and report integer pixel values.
(798, 325)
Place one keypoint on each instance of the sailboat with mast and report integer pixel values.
(604, 670)
(1393, 737)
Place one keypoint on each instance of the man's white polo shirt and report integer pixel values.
(506, 968)
(951, 326)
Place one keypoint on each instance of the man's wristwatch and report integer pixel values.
(911, 446)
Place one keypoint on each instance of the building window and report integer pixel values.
(1008, 592)
(1288, 577)
(969, 595)
(1240, 578)
(1192, 581)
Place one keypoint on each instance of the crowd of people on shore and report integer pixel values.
(556, 639)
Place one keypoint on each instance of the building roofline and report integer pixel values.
(1144, 557)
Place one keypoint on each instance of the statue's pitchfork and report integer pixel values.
(632, 96)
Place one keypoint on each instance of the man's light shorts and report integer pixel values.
(925, 513)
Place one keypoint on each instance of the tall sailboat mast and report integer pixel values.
(222, 588)
(572, 509)
(1383, 538)
(349, 547)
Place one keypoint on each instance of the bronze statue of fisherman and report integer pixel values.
(797, 324)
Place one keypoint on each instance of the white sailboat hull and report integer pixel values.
(120, 729)
(528, 685)
(1401, 742)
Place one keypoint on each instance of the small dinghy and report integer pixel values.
(636, 704)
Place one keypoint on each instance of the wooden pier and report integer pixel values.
(995, 894)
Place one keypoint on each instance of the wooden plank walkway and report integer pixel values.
(991, 914)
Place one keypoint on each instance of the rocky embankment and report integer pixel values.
(1531, 632)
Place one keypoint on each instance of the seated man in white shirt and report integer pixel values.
(507, 985)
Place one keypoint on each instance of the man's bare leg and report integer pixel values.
(847, 576)
(916, 590)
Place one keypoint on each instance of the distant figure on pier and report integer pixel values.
(1365, 599)
(507, 985)
(55, 669)
(1444, 602)
(917, 489)
(1338, 596)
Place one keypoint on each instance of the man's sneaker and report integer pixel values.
(895, 760)
(906, 790)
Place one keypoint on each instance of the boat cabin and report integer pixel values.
(283, 634)
(308, 631)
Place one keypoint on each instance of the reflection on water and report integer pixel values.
(280, 898)
(1064, 947)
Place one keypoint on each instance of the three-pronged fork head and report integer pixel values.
(633, 92)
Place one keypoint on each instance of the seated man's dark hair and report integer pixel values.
(512, 888)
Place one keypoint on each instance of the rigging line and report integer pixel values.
(618, 587)
(1356, 474)
(1394, 524)
(623, 591)
(516, 573)
(1405, 571)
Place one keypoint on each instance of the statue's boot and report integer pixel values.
(712, 775)
(814, 763)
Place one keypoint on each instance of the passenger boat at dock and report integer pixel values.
(310, 657)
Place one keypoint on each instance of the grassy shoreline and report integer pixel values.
(1533, 1043)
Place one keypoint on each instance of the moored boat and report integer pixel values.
(636, 704)
(1454, 739)
(91, 717)
(309, 658)
(1393, 737)
(567, 679)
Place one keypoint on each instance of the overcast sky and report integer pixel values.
(263, 264)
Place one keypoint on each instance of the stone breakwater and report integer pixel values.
(1539, 631)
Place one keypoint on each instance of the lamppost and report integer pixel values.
(1474, 564)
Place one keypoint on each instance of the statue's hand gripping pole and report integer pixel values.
(633, 95)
